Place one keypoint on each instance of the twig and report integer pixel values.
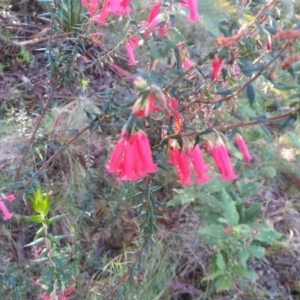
(243, 87)
(126, 275)
(235, 125)
(35, 130)
(47, 163)
(37, 126)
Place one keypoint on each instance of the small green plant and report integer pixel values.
(56, 275)
(233, 230)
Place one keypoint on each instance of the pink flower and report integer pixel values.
(124, 7)
(216, 156)
(131, 159)
(146, 165)
(217, 63)
(6, 214)
(10, 198)
(120, 7)
(269, 43)
(184, 56)
(92, 5)
(198, 163)
(223, 162)
(101, 19)
(193, 7)
(114, 6)
(144, 107)
(130, 47)
(180, 159)
(127, 169)
(154, 18)
(243, 147)
(117, 155)
(187, 63)
(177, 115)
(228, 230)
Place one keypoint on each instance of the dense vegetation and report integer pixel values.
(149, 149)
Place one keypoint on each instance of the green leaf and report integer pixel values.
(284, 86)
(215, 186)
(212, 276)
(261, 118)
(184, 196)
(224, 92)
(266, 132)
(223, 283)
(35, 242)
(267, 235)
(220, 262)
(229, 209)
(248, 274)
(209, 200)
(247, 190)
(251, 213)
(252, 68)
(256, 251)
(250, 93)
(34, 219)
(289, 121)
(40, 203)
(294, 139)
(55, 219)
(244, 256)
(269, 172)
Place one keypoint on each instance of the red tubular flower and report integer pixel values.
(198, 163)
(187, 63)
(269, 42)
(114, 6)
(10, 198)
(217, 63)
(146, 165)
(101, 19)
(132, 158)
(127, 170)
(117, 155)
(243, 147)
(154, 18)
(180, 159)
(223, 163)
(130, 47)
(124, 7)
(184, 169)
(6, 213)
(228, 172)
(92, 6)
(184, 57)
(193, 7)
(177, 115)
(143, 108)
(216, 156)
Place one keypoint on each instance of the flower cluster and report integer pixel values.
(180, 159)
(116, 7)
(131, 159)
(6, 213)
(222, 161)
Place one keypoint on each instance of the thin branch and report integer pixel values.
(35, 130)
(126, 275)
(243, 87)
(235, 125)
(47, 163)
